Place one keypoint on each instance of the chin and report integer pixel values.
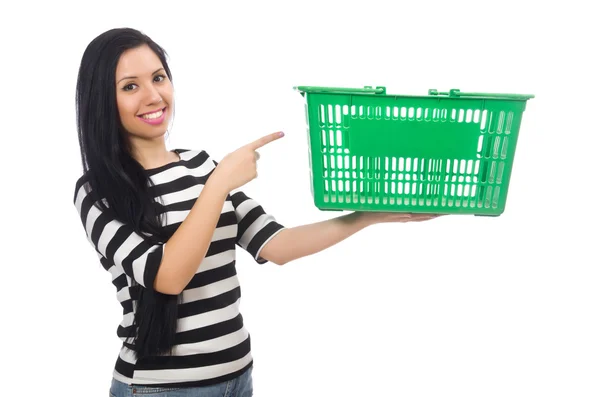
(148, 135)
(148, 132)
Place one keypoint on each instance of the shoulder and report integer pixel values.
(84, 195)
(82, 187)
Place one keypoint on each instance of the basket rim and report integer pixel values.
(380, 91)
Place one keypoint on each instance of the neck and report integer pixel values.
(152, 154)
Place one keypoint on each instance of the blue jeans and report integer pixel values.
(238, 387)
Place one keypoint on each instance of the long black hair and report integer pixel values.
(116, 177)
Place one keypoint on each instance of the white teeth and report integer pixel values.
(153, 115)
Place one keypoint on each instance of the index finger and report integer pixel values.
(265, 139)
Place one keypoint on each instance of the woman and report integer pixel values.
(165, 224)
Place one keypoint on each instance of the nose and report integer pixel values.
(153, 96)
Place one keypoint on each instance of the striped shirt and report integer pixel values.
(212, 343)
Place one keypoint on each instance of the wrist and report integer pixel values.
(215, 185)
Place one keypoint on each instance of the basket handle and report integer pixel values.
(339, 90)
(454, 93)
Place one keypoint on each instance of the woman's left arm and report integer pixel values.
(300, 241)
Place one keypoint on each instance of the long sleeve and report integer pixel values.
(117, 243)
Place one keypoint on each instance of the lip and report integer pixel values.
(153, 121)
(152, 111)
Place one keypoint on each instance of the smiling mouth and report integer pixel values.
(152, 115)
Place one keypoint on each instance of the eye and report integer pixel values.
(159, 78)
(129, 87)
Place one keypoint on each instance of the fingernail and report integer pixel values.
(281, 133)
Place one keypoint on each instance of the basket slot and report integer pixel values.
(484, 120)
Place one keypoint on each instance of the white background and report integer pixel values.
(459, 306)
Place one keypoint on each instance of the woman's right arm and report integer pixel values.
(186, 249)
(168, 267)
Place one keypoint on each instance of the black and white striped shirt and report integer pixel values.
(212, 343)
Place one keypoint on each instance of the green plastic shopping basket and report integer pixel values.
(447, 152)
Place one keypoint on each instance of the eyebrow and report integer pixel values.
(135, 77)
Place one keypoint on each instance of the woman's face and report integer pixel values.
(144, 94)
